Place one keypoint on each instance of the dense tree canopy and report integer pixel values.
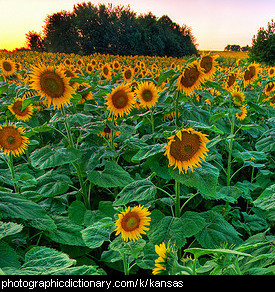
(114, 30)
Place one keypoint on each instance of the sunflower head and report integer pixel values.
(190, 78)
(251, 73)
(186, 148)
(128, 74)
(147, 94)
(132, 223)
(16, 109)
(207, 64)
(12, 139)
(8, 67)
(53, 84)
(106, 72)
(120, 100)
(242, 115)
(237, 96)
(167, 259)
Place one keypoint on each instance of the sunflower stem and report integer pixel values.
(230, 150)
(10, 165)
(75, 165)
(125, 264)
(152, 123)
(177, 202)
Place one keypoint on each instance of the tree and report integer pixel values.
(263, 45)
(61, 34)
(34, 41)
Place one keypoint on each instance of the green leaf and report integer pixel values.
(95, 234)
(113, 175)
(164, 75)
(26, 102)
(165, 228)
(67, 232)
(192, 223)
(140, 191)
(266, 202)
(197, 252)
(41, 260)
(48, 157)
(148, 151)
(53, 184)
(14, 206)
(9, 228)
(8, 256)
(4, 88)
(217, 231)
(204, 178)
(266, 144)
(77, 212)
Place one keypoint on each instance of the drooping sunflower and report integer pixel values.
(250, 73)
(160, 262)
(12, 139)
(84, 90)
(121, 100)
(186, 148)
(8, 67)
(133, 222)
(230, 80)
(208, 65)
(147, 94)
(16, 109)
(269, 87)
(52, 83)
(241, 115)
(190, 78)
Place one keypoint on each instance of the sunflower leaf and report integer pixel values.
(204, 178)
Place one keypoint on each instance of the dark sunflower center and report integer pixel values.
(147, 95)
(17, 108)
(190, 76)
(206, 63)
(130, 221)
(231, 80)
(105, 70)
(128, 74)
(52, 84)
(120, 99)
(186, 148)
(7, 66)
(11, 139)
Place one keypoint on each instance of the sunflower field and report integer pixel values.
(118, 165)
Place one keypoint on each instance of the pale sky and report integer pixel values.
(214, 23)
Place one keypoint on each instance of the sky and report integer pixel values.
(214, 23)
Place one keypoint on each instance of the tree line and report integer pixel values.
(108, 29)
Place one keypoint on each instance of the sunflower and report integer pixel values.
(186, 149)
(271, 71)
(190, 78)
(84, 90)
(12, 139)
(116, 65)
(16, 109)
(128, 74)
(107, 132)
(250, 73)
(241, 115)
(120, 100)
(8, 67)
(52, 83)
(132, 222)
(230, 80)
(106, 72)
(147, 93)
(269, 87)
(237, 96)
(161, 261)
(207, 64)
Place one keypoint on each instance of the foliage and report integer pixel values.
(113, 30)
(60, 200)
(263, 45)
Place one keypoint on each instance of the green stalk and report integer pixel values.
(177, 202)
(75, 165)
(125, 264)
(228, 179)
(10, 165)
(152, 123)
